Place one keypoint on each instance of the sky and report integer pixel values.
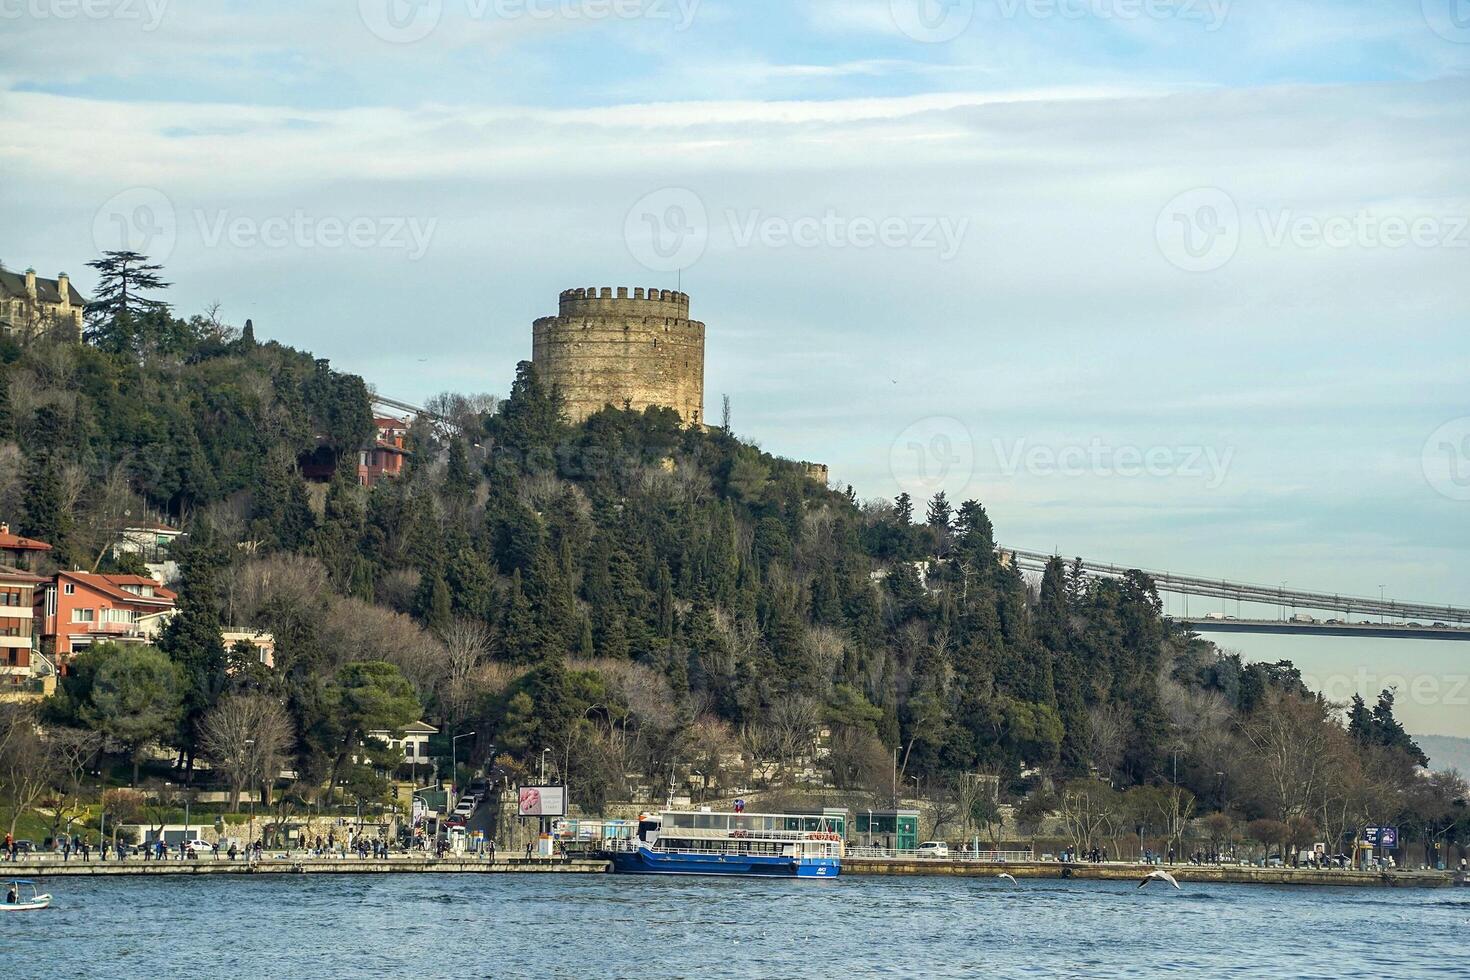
(1181, 284)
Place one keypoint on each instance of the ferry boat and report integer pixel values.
(771, 845)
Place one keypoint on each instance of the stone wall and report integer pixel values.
(607, 347)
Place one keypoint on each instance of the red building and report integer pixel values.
(77, 609)
(387, 456)
(18, 551)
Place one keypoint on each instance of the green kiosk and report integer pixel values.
(895, 830)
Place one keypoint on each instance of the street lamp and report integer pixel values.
(543, 766)
(454, 767)
(250, 772)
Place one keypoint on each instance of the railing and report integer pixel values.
(913, 854)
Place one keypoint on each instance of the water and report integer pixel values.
(467, 926)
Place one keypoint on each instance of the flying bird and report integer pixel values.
(1159, 874)
(1007, 876)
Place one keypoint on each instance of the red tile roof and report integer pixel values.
(112, 587)
(14, 542)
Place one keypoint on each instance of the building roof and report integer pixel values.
(417, 728)
(47, 290)
(112, 587)
(12, 575)
(385, 422)
(14, 542)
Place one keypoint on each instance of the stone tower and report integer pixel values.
(626, 351)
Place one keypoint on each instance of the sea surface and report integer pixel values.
(549, 925)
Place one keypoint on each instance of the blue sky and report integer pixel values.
(1174, 284)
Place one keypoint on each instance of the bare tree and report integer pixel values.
(793, 727)
(27, 768)
(73, 751)
(466, 648)
(247, 736)
(1288, 739)
(1108, 728)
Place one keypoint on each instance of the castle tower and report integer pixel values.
(626, 351)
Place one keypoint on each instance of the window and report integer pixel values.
(83, 615)
(69, 588)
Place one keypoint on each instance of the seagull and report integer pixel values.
(1008, 877)
(1159, 874)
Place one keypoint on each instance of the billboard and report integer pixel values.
(542, 801)
(1386, 837)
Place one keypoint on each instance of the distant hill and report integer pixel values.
(1446, 751)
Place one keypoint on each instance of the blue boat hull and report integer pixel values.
(645, 862)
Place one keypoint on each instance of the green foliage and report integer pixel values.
(133, 694)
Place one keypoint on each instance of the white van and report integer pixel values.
(934, 849)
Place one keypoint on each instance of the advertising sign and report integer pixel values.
(1386, 837)
(542, 801)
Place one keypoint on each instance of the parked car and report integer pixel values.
(199, 845)
(25, 847)
(934, 849)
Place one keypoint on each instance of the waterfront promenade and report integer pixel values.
(53, 866)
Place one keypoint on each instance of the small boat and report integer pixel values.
(17, 901)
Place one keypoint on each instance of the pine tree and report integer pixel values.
(119, 308)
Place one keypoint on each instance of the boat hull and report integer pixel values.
(647, 862)
(40, 903)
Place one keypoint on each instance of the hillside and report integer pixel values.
(618, 599)
(1446, 752)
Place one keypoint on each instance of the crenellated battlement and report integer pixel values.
(638, 302)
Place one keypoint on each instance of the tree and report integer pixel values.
(118, 305)
(247, 737)
(373, 696)
(27, 768)
(137, 696)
